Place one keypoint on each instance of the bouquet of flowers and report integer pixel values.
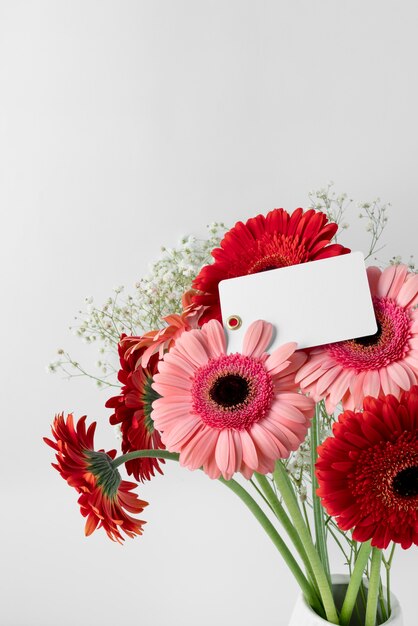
(320, 444)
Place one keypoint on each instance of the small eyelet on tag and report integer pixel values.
(234, 322)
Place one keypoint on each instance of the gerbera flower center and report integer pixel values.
(277, 251)
(386, 478)
(370, 340)
(232, 391)
(389, 344)
(229, 390)
(405, 483)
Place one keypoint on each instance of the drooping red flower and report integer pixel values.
(133, 407)
(368, 472)
(105, 499)
(264, 243)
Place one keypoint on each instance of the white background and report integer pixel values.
(124, 125)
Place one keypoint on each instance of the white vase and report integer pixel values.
(303, 615)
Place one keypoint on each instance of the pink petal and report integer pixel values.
(179, 366)
(348, 402)
(249, 452)
(299, 400)
(398, 280)
(373, 275)
(200, 448)
(294, 432)
(414, 326)
(330, 405)
(384, 381)
(170, 390)
(314, 364)
(232, 464)
(225, 453)
(408, 295)
(316, 376)
(278, 360)
(327, 380)
(178, 434)
(238, 448)
(385, 281)
(191, 346)
(164, 415)
(216, 341)
(340, 385)
(210, 467)
(397, 372)
(389, 381)
(371, 383)
(411, 374)
(296, 361)
(257, 338)
(282, 409)
(412, 361)
(273, 425)
(356, 384)
(246, 471)
(265, 443)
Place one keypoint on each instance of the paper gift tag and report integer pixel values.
(312, 303)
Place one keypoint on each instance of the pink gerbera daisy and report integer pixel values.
(384, 363)
(226, 412)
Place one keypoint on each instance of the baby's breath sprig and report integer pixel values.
(376, 214)
(154, 297)
(397, 260)
(72, 369)
(159, 294)
(335, 206)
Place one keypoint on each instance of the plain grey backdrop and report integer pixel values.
(123, 126)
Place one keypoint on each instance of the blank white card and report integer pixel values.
(312, 303)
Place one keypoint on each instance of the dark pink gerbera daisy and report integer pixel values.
(385, 363)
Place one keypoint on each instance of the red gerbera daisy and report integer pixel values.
(105, 498)
(133, 409)
(264, 243)
(368, 472)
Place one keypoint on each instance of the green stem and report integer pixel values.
(262, 518)
(373, 591)
(388, 565)
(306, 517)
(141, 454)
(281, 480)
(286, 522)
(382, 603)
(320, 530)
(354, 585)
